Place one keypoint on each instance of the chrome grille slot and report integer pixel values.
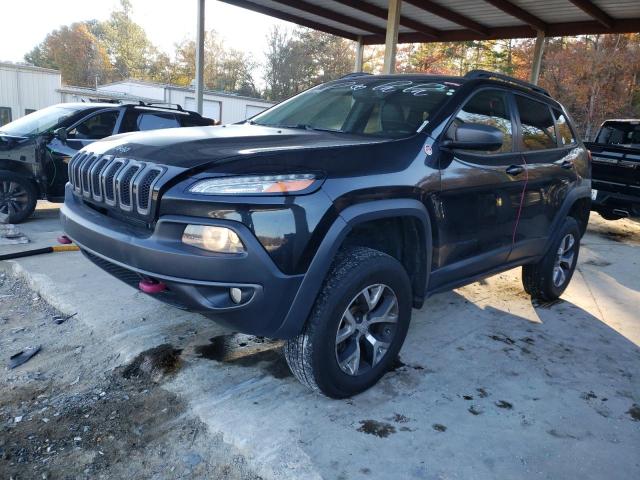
(85, 175)
(96, 179)
(77, 166)
(115, 182)
(124, 185)
(143, 186)
(109, 181)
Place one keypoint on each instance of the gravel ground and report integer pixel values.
(71, 412)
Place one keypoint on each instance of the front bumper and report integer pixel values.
(196, 280)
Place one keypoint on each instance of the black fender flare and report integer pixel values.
(578, 193)
(319, 267)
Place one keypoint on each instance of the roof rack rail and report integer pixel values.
(354, 74)
(157, 105)
(506, 78)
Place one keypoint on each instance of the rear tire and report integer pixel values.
(357, 325)
(548, 279)
(18, 197)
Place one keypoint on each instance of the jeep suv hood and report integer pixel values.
(197, 146)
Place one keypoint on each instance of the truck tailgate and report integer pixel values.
(615, 169)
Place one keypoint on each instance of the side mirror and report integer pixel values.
(475, 136)
(60, 134)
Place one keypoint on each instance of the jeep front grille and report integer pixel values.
(116, 182)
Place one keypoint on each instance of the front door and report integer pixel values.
(94, 127)
(480, 195)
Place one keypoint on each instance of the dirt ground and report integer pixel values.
(104, 423)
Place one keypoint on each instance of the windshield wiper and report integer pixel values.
(303, 126)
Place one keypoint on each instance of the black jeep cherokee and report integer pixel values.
(325, 219)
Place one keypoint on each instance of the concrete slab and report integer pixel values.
(490, 385)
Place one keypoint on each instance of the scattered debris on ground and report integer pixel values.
(86, 419)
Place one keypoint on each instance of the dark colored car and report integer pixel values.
(327, 218)
(35, 149)
(616, 169)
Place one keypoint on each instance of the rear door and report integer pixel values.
(480, 194)
(549, 150)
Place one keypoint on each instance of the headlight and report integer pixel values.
(253, 184)
(214, 239)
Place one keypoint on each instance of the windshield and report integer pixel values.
(38, 122)
(381, 108)
(626, 134)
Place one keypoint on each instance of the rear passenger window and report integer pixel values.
(564, 129)
(155, 121)
(538, 128)
(487, 107)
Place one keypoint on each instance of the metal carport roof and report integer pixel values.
(389, 22)
(455, 20)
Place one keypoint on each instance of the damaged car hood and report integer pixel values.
(197, 146)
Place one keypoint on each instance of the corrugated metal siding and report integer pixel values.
(554, 11)
(315, 18)
(620, 8)
(27, 88)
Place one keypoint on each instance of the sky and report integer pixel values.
(26, 22)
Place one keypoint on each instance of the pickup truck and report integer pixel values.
(616, 169)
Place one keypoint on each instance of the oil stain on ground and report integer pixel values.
(634, 411)
(154, 364)
(379, 429)
(247, 351)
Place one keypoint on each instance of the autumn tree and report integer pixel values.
(76, 52)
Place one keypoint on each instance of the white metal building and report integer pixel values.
(24, 88)
(227, 107)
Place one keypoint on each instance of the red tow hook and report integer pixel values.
(64, 240)
(148, 285)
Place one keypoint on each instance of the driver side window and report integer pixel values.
(491, 108)
(95, 127)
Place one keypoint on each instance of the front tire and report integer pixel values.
(18, 197)
(548, 279)
(357, 326)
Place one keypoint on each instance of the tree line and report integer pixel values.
(594, 76)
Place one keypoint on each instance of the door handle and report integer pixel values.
(567, 164)
(515, 170)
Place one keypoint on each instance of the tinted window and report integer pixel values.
(487, 107)
(564, 129)
(156, 121)
(95, 127)
(538, 129)
(193, 121)
(620, 133)
(5, 115)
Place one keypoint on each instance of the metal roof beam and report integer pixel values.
(287, 17)
(594, 11)
(332, 15)
(629, 25)
(450, 15)
(519, 13)
(382, 13)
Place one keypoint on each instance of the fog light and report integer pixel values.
(235, 294)
(214, 239)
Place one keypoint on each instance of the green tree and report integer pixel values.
(126, 42)
(304, 58)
